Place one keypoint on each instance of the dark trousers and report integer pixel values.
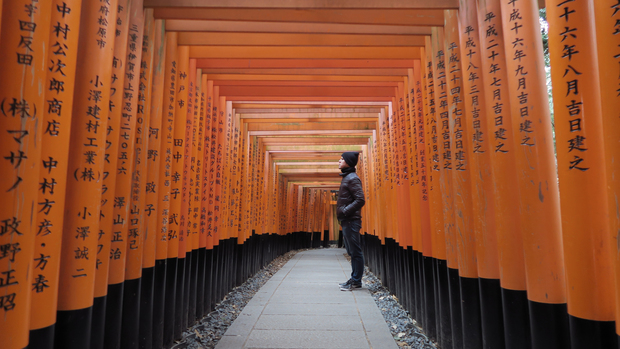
(353, 244)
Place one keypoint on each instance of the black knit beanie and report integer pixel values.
(350, 157)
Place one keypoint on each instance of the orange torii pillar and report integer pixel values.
(539, 197)
(191, 249)
(588, 245)
(483, 200)
(200, 235)
(185, 239)
(607, 16)
(26, 33)
(138, 266)
(53, 173)
(207, 192)
(495, 133)
(176, 203)
(168, 242)
(133, 117)
(442, 100)
(77, 286)
(155, 249)
(411, 172)
(108, 299)
(461, 181)
(441, 309)
(424, 259)
(117, 321)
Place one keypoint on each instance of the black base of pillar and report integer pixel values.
(73, 329)
(130, 332)
(114, 316)
(549, 325)
(42, 338)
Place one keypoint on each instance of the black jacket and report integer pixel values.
(350, 196)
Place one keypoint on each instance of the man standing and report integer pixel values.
(348, 210)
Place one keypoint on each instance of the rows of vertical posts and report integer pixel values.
(125, 176)
(504, 234)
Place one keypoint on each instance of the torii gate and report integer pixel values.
(150, 149)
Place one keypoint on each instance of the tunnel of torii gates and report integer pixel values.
(154, 154)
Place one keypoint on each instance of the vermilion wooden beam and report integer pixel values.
(312, 98)
(297, 39)
(409, 17)
(308, 128)
(301, 114)
(243, 108)
(275, 77)
(317, 52)
(311, 72)
(181, 25)
(309, 4)
(230, 63)
(304, 91)
(222, 83)
(308, 120)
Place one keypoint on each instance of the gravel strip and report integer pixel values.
(405, 329)
(207, 332)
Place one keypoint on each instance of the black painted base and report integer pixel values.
(470, 313)
(200, 283)
(516, 319)
(130, 332)
(455, 308)
(159, 296)
(592, 334)
(42, 338)
(146, 308)
(443, 302)
(430, 325)
(208, 291)
(549, 325)
(170, 297)
(179, 299)
(114, 316)
(73, 329)
(97, 335)
(491, 314)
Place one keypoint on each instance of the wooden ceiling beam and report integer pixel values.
(306, 99)
(215, 63)
(306, 83)
(305, 91)
(309, 72)
(314, 52)
(276, 77)
(407, 17)
(309, 128)
(182, 25)
(284, 109)
(309, 4)
(297, 39)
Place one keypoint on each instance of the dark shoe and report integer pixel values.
(350, 287)
(346, 283)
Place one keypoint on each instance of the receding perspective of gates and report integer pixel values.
(154, 154)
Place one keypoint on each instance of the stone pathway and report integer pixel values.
(301, 306)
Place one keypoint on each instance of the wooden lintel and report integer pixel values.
(311, 52)
(305, 99)
(297, 39)
(229, 63)
(418, 17)
(309, 4)
(305, 91)
(182, 25)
